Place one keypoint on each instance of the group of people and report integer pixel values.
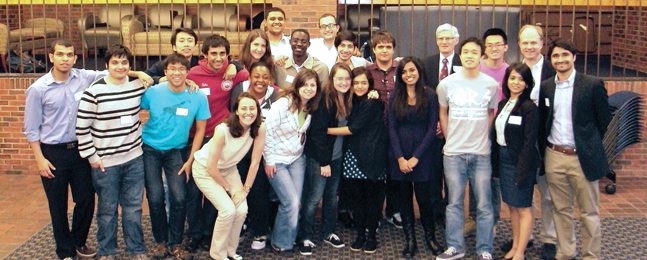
(295, 121)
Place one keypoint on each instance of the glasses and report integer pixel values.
(180, 70)
(445, 39)
(329, 26)
(492, 46)
(340, 79)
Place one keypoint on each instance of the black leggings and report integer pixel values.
(366, 203)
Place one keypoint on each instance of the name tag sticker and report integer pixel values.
(206, 91)
(289, 78)
(514, 120)
(126, 120)
(182, 111)
(78, 95)
(457, 69)
(547, 102)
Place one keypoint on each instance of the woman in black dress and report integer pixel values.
(515, 156)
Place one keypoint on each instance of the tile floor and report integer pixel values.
(24, 210)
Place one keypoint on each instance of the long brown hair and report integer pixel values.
(292, 93)
(331, 95)
(236, 129)
(245, 55)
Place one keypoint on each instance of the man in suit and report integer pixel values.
(530, 44)
(574, 114)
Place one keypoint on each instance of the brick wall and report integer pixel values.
(630, 38)
(16, 157)
(304, 14)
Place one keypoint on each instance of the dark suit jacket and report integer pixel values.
(431, 64)
(547, 71)
(591, 115)
(521, 142)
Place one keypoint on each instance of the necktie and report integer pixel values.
(443, 71)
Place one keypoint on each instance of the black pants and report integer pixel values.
(258, 199)
(366, 203)
(200, 213)
(439, 205)
(423, 197)
(74, 171)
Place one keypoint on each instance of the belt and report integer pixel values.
(70, 145)
(562, 149)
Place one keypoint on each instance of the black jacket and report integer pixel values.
(521, 142)
(319, 144)
(431, 64)
(590, 115)
(369, 139)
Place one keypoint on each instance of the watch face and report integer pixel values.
(226, 85)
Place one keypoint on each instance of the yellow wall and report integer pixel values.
(377, 2)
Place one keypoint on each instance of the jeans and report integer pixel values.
(73, 171)
(496, 200)
(288, 185)
(121, 185)
(165, 230)
(200, 213)
(318, 188)
(458, 169)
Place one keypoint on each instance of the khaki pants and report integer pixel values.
(230, 219)
(565, 180)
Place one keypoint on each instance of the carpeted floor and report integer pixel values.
(622, 238)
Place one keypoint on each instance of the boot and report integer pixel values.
(410, 242)
(430, 238)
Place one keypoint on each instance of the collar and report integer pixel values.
(49, 78)
(569, 81)
(308, 63)
(394, 65)
(449, 58)
(538, 64)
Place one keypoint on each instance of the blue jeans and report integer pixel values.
(120, 185)
(496, 200)
(288, 184)
(458, 169)
(165, 230)
(317, 188)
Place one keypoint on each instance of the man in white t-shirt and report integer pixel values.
(323, 49)
(274, 23)
(467, 100)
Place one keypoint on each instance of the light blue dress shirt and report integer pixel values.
(561, 133)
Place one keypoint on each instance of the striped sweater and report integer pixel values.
(107, 125)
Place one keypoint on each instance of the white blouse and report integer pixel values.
(500, 122)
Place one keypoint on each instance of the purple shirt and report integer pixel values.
(497, 74)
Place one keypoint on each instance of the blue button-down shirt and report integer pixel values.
(51, 106)
(561, 132)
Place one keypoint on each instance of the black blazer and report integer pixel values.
(369, 141)
(431, 69)
(547, 71)
(591, 115)
(319, 145)
(521, 142)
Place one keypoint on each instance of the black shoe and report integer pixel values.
(358, 243)
(395, 220)
(346, 219)
(334, 241)
(193, 245)
(548, 251)
(370, 246)
(507, 246)
(305, 247)
(205, 244)
(410, 242)
(86, 252)
(430, 237)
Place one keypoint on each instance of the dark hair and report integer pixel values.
(526, 74)
(215, 41)
(260, 64)
(236, 129)
(400, 95)
(382, 37)
(118, 50)
(246, 56)
(273, 9)
(475, 40)
(300, 30)
(188, 31)
(495, 32)
(330, 93)
(363, 71)
(63, 42)
(293, 92)
(176, 58)
(565, 44)
(345, 36)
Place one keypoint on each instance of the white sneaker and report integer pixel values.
(259, 243)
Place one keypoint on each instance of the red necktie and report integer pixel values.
(443, 71)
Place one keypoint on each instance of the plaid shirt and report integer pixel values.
(283, 136)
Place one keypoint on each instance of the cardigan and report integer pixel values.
(320, 144)
(369, 140)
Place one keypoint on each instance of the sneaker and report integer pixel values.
(470, 226)
(86, 252)
(159, 250)
(306, 246)
(179, 253)
(485, 256)
(494, 229)
(450, 254)
(235, 257)
(193, 245)
(358, 243)
(279, 250)
(105, 257)
(334, 241)
(68, 258)
(140, 257)
(370, 246)
(259, 243)
(395, 220)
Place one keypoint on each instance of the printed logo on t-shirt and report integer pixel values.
(226, 85)
(469, 104)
